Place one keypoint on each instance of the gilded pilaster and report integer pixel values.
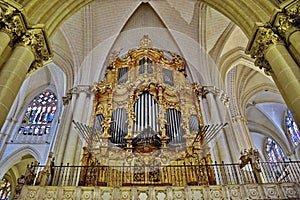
(271, 54)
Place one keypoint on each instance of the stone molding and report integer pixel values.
(247, 191)
(239, 118)
(88, 89)
(204, 90)
(13, 23)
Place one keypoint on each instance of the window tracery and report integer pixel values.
(292, 129)
(275, 155)
(39, 114)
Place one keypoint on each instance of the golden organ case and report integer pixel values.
(145, 120)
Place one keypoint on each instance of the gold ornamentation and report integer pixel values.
(142, 151)
(264, 38)
(287, 20)
(35, 38)
(13, 22)
(293, 11)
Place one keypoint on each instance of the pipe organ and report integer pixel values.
(146, 112)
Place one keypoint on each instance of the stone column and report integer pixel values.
(241, 132)
(12, 76)
(272, 55)
(13, 25)
(26, 57)
(80, 108)
(220, 149)
(4, 41)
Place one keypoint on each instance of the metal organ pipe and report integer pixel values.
(173, 128)
(142, 112)
(149, 108)
(146, 111)
(118, 129)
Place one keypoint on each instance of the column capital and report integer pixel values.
(287, 20)
(239, 118)
(12, 21)
(263, 38)
(87, 89)
(204, 90)
(36, 39)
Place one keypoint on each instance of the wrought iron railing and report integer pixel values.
(175, 175)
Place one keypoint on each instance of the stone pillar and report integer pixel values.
(30, 48)
(4, 41)
(12, 76)
(272, 55)
(294, 39)
(80, 95)
(13, 26)
(26, 57)
(59, 147)
(220, 149)
(241, 131)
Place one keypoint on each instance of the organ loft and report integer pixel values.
(146, 121)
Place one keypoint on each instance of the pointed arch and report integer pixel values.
(15, 157)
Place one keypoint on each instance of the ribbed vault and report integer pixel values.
(52, 13)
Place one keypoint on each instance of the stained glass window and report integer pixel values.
(5, 189)
(292, 128)
(275, 154)
(39, 114)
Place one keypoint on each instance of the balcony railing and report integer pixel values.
(175, 175)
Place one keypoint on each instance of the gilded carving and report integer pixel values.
(132, 150)
(36, 39)
(264, 38)
(287, 21)
(293, 12)
(11, 21)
